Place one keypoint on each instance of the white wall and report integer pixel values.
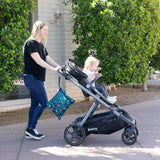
(59, 44)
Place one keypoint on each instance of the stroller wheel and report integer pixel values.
(137, 133)
(129, 136)
(74, 134)
(136, 130)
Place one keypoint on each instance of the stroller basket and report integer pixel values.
(102, 123)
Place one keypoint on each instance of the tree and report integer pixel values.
(14, 19)
(155, 60)
(122, 34)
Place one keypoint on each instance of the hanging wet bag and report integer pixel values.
(60, 102)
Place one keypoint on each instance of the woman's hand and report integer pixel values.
(58, 68)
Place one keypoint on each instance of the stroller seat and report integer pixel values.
(75, 69)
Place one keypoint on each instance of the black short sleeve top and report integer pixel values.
(30, 66)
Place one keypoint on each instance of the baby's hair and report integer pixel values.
(90, 61)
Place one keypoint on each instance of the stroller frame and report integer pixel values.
(75, 134)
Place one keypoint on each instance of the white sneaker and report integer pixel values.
(36, 132)
(114, 97)
(30, 134)
(33, 133)
(28, 137)
(112, 100)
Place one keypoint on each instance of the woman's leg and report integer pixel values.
(38, 99)
(33, 106)
(42, 101)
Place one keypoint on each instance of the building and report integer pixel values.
(59, 46)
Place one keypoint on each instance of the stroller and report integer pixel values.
(103, 123)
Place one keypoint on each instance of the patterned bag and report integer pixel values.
(60, 102)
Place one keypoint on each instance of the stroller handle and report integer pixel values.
(61, 71)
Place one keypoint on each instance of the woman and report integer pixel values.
(36, 61)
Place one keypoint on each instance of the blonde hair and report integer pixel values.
(35, 33)
(37, 26)
(90, 61)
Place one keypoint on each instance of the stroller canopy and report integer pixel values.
(75, 69)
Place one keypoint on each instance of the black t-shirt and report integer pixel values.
(30, 66)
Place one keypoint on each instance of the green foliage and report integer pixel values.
(122, 34)
(14, 19)
(155, 60)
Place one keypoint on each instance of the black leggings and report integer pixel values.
(102, 89)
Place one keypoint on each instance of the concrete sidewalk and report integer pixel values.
(13, 145)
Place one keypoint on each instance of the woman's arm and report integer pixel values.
(50, 61)
(42, 63)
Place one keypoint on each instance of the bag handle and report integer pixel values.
(63, 91)
(59, 79)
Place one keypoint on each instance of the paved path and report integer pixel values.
(13, 145)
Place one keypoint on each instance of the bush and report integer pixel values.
(14, 19)
(122, 34)
(155, 60)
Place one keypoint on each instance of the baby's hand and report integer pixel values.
(96, 73)
(99, 74)
(98, 68)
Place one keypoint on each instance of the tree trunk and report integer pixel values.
(144, 86)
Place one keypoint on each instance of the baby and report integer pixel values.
(92, 70)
